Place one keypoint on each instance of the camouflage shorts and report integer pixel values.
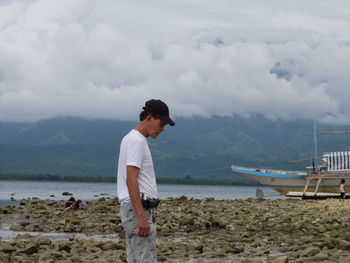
(139, 249)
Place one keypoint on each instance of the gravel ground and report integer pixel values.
(251, 230)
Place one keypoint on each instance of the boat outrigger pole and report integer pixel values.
(335, 132)
(306, 159)
(315, 164)
(314, 160)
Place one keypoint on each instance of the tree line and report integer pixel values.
(188, 180)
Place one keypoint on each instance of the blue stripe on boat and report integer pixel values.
(259, 173)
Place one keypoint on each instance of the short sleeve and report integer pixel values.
(134, 153)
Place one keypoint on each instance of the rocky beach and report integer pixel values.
(251, 230)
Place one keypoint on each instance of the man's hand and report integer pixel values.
(143, 225)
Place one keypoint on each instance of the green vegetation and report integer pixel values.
(199, 148)
(56, 178)
(188, 180)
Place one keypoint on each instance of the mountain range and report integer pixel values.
(195, 147)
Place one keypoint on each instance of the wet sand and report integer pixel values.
(252, 230)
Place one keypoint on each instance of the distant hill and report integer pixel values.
(198, 147)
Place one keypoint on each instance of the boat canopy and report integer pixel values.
(337, 161)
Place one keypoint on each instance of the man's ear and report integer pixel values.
(149, 117)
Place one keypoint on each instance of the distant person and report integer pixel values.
(342, 189)
(83, 205)
(137, 188)
(75, 205)
(70, 202)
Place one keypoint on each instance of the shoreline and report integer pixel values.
(209, 230)
(90, 191)
(188, 180)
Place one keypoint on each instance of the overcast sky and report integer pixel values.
(279, 58)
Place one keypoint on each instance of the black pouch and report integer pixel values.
(150, 203)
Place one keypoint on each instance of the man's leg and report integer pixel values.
(139, 249)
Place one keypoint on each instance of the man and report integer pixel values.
(137, 189)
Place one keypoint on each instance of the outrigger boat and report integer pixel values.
(319, 181)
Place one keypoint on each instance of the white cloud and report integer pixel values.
(104, 59)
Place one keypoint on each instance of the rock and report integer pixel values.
(51, 203)
(65, 246)
(281, 259)
(182, 198)
(244, 235)
(103, 209)
(45, 256)
(110, 245)
(16, 227)
(93, 250)
(114, 220)
(6, 210)
(237, 249)
(252, 260)
(320, 256)
(217, 223)
(186, 221)
(310, 251)
(43, 241)
(31, 249)
(7, 248)
(344, 259)
(56, 254)
(23, 202)
(199, 248)
(77, 259)
(161, 259)
(344, 245)
(330, 242)
(25, 223)
(36, 227)
(73, 220)
(261, 252)
(66, 193)
(5, 257)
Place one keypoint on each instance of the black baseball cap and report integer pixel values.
(160, 109)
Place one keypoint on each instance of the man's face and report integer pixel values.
(154, 127)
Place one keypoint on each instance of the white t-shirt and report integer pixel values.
(134, 151)
(342, 189)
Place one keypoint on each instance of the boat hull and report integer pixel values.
(290, 182)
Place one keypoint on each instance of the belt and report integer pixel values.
(144, 196)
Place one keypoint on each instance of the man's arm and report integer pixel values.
(132, 172)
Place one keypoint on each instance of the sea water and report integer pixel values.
(89, 191)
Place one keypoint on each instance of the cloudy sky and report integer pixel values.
(102, 59)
